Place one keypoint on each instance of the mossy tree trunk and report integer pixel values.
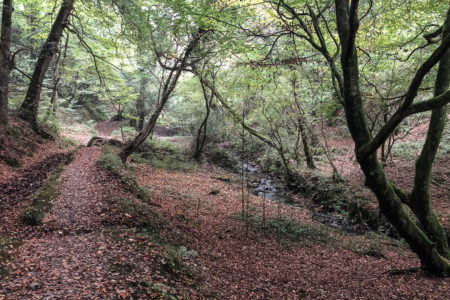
(30, 106)
(420, 201)
(5, 59)
(425, 243)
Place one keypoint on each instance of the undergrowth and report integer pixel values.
(291, 230)
(173, 260)
(41, 204)
(110, 161)
(163, 155)
(310, 234)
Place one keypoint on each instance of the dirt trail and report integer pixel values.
(67, 260)
(106, 128)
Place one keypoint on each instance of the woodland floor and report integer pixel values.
(100, 242)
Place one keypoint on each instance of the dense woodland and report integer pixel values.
(224, 149)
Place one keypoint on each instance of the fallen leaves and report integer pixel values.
(90, 247)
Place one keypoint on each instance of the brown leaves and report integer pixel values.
(92, 247)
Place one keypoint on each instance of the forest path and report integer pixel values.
(65, 257)
(106, 128)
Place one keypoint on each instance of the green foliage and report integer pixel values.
(407, 150)
(69, 141)
(162, 290)
(165, 155)
(215, 190)
(12, 162)
(173, 260)
(124, 132)
(110, 161)
(41, 204)
(52, 125)
(308, 234)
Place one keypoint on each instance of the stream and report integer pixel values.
(262, 184)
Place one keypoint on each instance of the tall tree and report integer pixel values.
(168, 86)
(30, 106)
(5, 59)
(429, 240)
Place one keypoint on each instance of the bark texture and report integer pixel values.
(389, 197)
(420, 196)
(30, 106)
(5, 59)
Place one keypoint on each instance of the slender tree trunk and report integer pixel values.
(54, 98)
(202, 130)
(306, 149)
(59, 70)
(389, 200)
(301, 126)
(140, 105)
(30, 106)
(169, 86)
(5, 59)
(237, 118)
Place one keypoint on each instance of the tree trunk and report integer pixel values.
(389, 200)
(30, 106)
(54, 98)
(201, 133)
(420, 196)
(5, 59)
(306, 149)
(168, 87)
(140, 105)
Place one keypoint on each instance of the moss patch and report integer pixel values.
(41, 204)
(6, 244)
(42, 201)
(308, 234)
(110, 161)
(163, 155)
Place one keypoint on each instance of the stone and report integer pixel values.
(35, 286)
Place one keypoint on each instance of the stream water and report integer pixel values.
(262, 184)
